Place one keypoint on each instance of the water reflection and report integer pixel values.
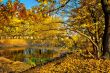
(31, 54)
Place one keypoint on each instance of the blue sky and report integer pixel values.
(28, 3)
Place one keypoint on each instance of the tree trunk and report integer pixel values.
(106, 35)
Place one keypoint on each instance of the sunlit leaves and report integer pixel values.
(88, 19)
(68, 42)
(1, 0)
(62, 1)
(45, 1)
(16, 20)
(75, 37)
(72, 64)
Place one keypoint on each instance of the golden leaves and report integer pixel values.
(70, 65)
(68, 42)
(16, 20)
(75, 37)
(62, 1)
(1, 0)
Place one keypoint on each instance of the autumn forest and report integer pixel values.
(55, 36)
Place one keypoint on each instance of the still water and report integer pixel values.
(31, 55)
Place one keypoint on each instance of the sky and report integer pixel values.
(31, 3)
(28, 3)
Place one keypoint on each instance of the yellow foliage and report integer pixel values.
(16, 20)
(1, 0)
(75, 37)
(45, 2)
(68, 42)
(62, 1)
(72, 65)
(13, 42)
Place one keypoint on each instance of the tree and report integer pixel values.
(83, 18)
(106, 35)
(88, 19)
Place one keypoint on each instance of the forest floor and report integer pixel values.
(72, 64)
(69, 64)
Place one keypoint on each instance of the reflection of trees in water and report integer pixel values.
(27, 53)
(39, 52)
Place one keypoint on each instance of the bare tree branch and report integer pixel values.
(62, 6)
